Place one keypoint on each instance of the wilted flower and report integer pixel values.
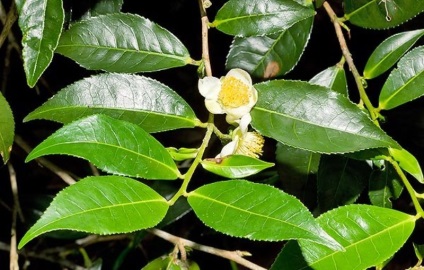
(233, 94)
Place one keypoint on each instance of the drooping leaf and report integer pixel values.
(408, 163)
(257, 18)
(112, 145)
(273, 55)
(369, 234)
(255, 211)
(314, 118)
(7, 129)
(404, 83)
(136, 99)
(125, 43)
(340, 181)
(334, 78)
(41, 24)
(101, 205)
(389, 52)
(384, 186)
(381, 14)
(235, 166)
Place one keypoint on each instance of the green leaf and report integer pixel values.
(256, 211)
(408, 163)
(101, 7)
(378, 14)
(419, 252)
(122, 43)
(384, 186)
(257, 18)
(404, 83)
(136, 99)
(314, 118)
(273, 55)
(101, 205)
(334, 78)
(369, 234)
(182, 153)
(114, 146)
(389, 51)
(41, 24)
(235, 166)
(7, 129)
(340, 181)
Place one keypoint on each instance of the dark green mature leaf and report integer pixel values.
(419, 252)
(256, 211)
(389, 52)
(404, 83)
(235, 166)
(334, 78)
(273, 55)
(340, 181)
(381, 14)
(369, 234)
(136, 99)
(41, 24)
(114, 146)
(122, 43)
(314, 118)
(102, 7)
(384, 186)
(101, 205)
(257, 17)
(7, 129)
(408, 163)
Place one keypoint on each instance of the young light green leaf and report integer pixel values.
(389, 51)
(112, 145)
(384, 186)
(369, 234)
(404, 83)
(334, 78)
(182, 153)
(7, 129)
(41, 24)
(340, 181)
(235, 166)
(136, 99)
(122, 42)
(257, 18)
(314, 118)
(101, 205)
(256, 211)
(273, 55)
(381, 14)
(408, 163)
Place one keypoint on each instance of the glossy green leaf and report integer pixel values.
(419, 252)
(171, 263)
(7, 129)
(381, 14)
(101, 205)
(334, 78)
(182, 153)
(408, 163)
(122, 42)
(314, 118)
(136, 99)
(273, 55)
(101, 7)
(41, 24)
(257, 18)
(389, 51)
(369, 234)
(256, 211)
(404, 83)
(384, 186)
(318, 3)
(114, 146)
(235, 166)
(340, 181)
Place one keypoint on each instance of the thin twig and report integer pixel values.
(205, 39)
(7, 21)
(64, 175)
(13, 263)
(236, 256)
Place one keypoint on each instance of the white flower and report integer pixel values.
(233, 94)
(243, 143)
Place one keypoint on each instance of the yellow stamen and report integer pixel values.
(234, 93)
(251, 144)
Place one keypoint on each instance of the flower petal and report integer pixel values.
(241, 75)
(209, 87)
(228, 149)
(213, 106)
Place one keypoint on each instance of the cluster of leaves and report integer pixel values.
(110, 119)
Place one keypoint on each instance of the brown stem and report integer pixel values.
(205, 39)
(13, 263)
